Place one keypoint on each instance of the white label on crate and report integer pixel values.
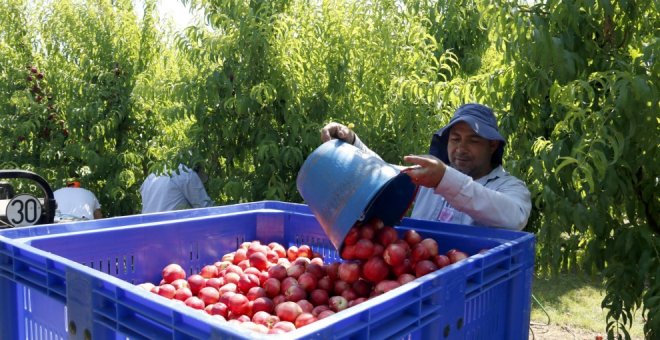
(23, 210)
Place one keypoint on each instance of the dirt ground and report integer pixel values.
(541, 331)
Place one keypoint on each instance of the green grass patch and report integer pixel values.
(574, 300)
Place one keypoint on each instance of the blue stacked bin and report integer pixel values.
(78, 280)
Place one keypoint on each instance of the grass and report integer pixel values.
(574, 300)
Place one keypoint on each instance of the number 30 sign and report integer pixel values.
(23, 210)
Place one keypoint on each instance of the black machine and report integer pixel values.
(25, 209)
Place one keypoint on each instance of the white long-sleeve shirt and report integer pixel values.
(495, 200)
(76, 203)
(174, 192)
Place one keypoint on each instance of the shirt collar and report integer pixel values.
(493, 175)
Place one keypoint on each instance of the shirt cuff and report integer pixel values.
(358, 143)
(361, 146)
(364, 148)
(451, 183)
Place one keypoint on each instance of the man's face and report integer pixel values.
(468, 152)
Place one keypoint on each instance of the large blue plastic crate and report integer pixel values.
(77, 280)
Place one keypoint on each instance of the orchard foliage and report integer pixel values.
(80, 84)
(274, 72)
(574, 83)
(582, 87)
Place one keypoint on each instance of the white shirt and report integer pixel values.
(495, 200)
(175, 191)
(76, 203)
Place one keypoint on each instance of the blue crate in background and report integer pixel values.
(77, 280)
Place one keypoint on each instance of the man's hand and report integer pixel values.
(428, 171)
(337, 131)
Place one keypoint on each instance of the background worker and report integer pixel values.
(175, 190)
(76, 203)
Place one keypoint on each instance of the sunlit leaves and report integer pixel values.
(574, 86)
(582, 91)
(93, 59)
(293, 66)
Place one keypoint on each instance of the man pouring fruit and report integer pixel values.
(461, 179)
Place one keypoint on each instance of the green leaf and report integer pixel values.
(616, 140)
(599, 161)
(566, 161)
(587, 175)
(606, 5)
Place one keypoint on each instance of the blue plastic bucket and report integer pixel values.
(343, 185)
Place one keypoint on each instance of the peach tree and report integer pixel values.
(84, 93)
(581, 85)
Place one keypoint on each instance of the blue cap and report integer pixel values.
(481, 119)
